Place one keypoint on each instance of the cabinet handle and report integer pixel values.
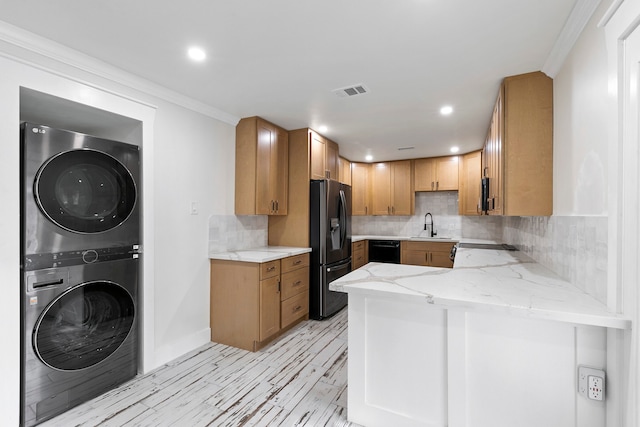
(273, 206)
(297, 283)
(366, 210)
(388, 210)
(269, 269)
(278, 286)
(437, 185)
(277, 205)
(297, 262)
(297, 308)
(431, 185)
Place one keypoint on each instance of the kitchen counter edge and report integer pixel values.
(259, 254)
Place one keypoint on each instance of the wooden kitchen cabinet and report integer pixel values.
(324, 157)
(252, 303)
(392, 188)
(518, 152)
(360, 188)
(432, 254)
(344, 167)
(262, 166)
(359, 254)
(436, 174)
(470, 169)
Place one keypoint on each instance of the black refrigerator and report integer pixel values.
(330, 238)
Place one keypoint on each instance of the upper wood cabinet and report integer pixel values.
(324, 157)
(470, 172)
(360, 188)
(344, 168)
(436, 174)
(392, 188)
(332, 161)
(261, 168)
(518, 152)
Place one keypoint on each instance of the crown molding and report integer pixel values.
(47, 48)
(577, 20)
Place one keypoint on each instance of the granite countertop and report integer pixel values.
(501, 281)
(260, 254)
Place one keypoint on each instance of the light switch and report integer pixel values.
(194, 208)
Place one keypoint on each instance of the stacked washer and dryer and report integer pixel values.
(80, 225)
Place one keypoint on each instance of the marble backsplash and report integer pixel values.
(443, 206)
(574, 247)
(232, 233)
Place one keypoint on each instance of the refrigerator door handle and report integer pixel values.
(338, 268)
(343, 218)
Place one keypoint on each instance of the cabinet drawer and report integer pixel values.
(358, 245)
(294, 262)
(294, 282)
(269, 269)
(294, 308)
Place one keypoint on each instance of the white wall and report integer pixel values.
(186, 156)
(581, 105)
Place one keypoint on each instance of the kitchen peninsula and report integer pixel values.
(496, 340)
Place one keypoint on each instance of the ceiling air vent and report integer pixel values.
(354, 90)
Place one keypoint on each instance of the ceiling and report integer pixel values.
(281, 59)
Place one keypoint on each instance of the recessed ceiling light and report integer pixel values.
(455, 149)
(196, 54)
(323, 129)
(368, 157)
(446, 110)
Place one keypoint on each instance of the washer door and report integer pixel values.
(85, 191)
(84, 326)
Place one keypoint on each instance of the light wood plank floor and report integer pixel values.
(299, 380)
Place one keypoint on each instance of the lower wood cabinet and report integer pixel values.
(252, 303)
(359, 254)
(432, 254)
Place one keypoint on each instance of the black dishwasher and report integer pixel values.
(384, 251)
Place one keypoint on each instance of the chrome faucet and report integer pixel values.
(431, 232)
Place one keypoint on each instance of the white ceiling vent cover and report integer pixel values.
(354, 90)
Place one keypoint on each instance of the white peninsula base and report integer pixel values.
(413, 364)
(491, 346)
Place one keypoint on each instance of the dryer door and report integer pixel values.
(85, 191)
(84, 325)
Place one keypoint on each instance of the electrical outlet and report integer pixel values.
(591, 383)
(596, 387)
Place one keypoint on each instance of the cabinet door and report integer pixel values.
(280, 168)
(424, 177)
(331, 160)
(318, 153)
(345, 170)
(269, 307)
(381, 189)
(447, 173)
(415, 257)
(401, 193)
(360, 189)
(266, 174)
(440, 259)
(469, 192)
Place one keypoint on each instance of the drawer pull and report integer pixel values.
(297, 283)
(297, 308)
(269, 269)
(297, 262)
